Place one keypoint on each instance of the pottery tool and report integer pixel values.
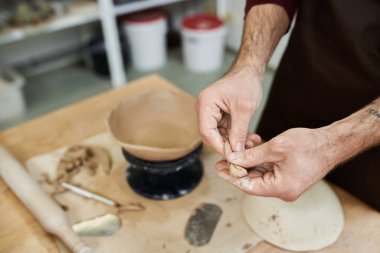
(89, 195)
(104, 225)
(48, 213)
(202, 223)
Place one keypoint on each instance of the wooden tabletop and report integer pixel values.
(20, 232)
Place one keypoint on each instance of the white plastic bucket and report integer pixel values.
(12, 103)
(146, 36)
(203, 42)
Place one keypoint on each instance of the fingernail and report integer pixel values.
(239, 147)
(233, 157)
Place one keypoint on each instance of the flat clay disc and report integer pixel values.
(312, 222)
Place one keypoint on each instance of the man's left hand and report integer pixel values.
(284, 167)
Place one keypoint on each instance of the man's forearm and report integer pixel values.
(264, 26)
(356, 133)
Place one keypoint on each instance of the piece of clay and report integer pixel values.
(237, 171)
(312, 222)
(234, 170)
(73, 161)
(82, 157)
(102, 159)
(104, 225)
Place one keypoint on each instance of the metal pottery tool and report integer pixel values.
(89, 195)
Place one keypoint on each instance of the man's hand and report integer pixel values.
(290, 163)
(285, 166)
(225, 109)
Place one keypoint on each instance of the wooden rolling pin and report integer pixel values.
(48, 213)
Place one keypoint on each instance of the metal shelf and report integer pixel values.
(108, 14)
(79, 14)
(125, 8)
(90, 11)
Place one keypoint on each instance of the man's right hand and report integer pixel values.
(225, 108)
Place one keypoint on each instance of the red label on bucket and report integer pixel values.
(202, 22)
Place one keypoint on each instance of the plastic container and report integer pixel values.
(12, 103)
(203, 42)
(146, 36)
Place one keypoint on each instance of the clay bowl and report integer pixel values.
(159, 136)
(156, 126)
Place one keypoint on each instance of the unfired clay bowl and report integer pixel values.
(156, 126)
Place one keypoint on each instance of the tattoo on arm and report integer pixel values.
(373, 112)
(374, 108)
(357, 132)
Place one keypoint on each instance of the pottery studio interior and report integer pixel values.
(189, 126)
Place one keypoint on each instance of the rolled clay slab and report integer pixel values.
(312, 222)
(156, 126)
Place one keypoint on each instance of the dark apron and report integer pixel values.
(330, 69)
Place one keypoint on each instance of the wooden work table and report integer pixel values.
(20, 232)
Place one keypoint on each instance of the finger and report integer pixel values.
(208, 117)
(223, 133)
(251, 185)
(254, 173)
(249, 144)
(222, 164)
(254, 156)
(239, 129)
(267, 166)
(223, 126)
(254, 138)
(224, 122)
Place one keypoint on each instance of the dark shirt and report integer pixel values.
(329, 70)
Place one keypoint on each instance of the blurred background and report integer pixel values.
(57, 52)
